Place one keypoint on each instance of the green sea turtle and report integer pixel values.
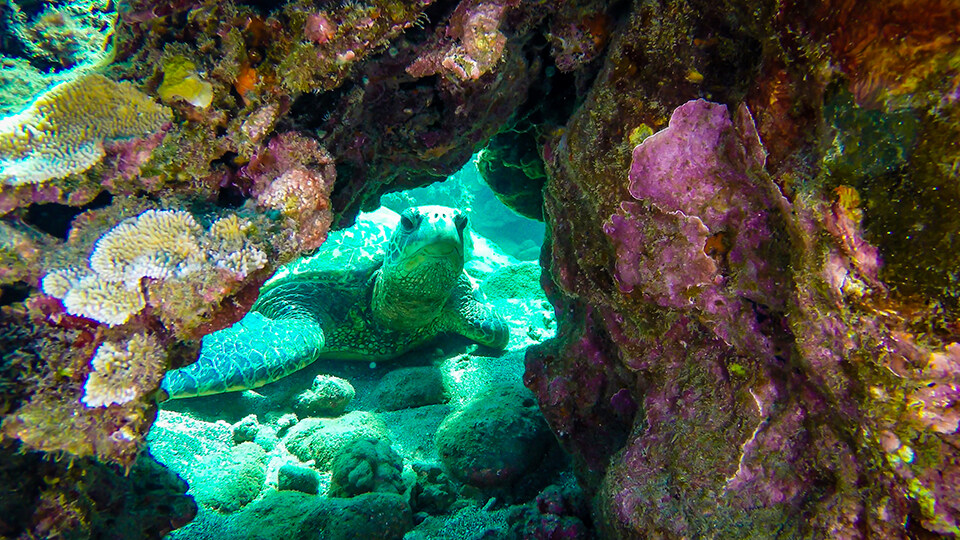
(359, 297)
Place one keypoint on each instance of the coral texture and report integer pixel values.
(157, 245)
(122, 371)
(64, 130)
(366, 465)
(745, 345)
(756, 293)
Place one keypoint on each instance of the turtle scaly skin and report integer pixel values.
(350, 301)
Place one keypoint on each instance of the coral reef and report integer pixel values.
(49, 43)
(86, 499)
(120, 370)
(163, 246)
(366, 466)
(63, 132)
(751, 210)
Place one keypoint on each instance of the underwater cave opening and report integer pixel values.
(55, 219)
(413, 421)
(518, 236)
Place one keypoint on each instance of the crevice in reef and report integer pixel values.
(55, 218)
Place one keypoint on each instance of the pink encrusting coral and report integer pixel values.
(702, 237)
(294, 175)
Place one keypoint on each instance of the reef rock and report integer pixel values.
(329, 396)
(739, 347)
(495, 439)
(406, 388)
(322, 439)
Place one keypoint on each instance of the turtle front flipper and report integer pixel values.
(253, 352)
(471, 317)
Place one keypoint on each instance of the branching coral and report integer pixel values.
(64, 130)
(123, 371)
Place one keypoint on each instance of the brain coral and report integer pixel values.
(63, 131)
(122, 372)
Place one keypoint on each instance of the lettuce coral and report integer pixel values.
(64, 130)
(123, 371)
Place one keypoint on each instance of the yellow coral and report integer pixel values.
(123, 372)
(181, 81)
(63, 131)
(229, 230)
(156, 244)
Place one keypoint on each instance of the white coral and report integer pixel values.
(109, 302)
(158, 245)
(123, 371)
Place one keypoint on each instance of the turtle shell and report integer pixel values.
(354, 248)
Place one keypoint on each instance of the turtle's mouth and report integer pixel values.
(446, 254)
(445, 249)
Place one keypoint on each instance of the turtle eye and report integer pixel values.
(408, 220)
(460, 220)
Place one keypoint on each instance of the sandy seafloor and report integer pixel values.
(194, 437)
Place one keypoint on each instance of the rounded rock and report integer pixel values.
(329, 396)
(246, 429)
(495, 439)
(295, 478)
(407, 388)
(322, 439)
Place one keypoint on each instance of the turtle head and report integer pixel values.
(422, 265)
(429, 240)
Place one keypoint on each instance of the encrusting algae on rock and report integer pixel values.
(761, 343)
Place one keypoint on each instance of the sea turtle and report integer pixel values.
(359, 297)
